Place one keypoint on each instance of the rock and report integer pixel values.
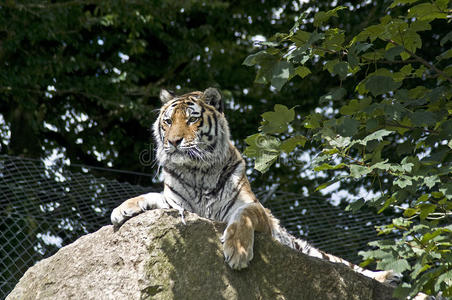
(155, 256)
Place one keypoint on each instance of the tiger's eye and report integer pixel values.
(168, 121)
(192, 119)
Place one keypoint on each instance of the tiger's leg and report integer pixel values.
(238, 237)
(136, 205)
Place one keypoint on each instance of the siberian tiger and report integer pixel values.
(205, 174)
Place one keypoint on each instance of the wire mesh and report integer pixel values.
(326, 226)
(44, 207)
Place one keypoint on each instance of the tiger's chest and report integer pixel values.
(204, 193)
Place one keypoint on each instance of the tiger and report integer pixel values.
(204, 173)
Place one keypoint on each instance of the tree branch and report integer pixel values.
(423, 61)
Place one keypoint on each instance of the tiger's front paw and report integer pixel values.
(125, 211)
(238, 246)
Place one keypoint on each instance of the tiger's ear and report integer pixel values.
(166, 96)
(213, 97)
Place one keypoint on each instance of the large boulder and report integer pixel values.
(156, 256)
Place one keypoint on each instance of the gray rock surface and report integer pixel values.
(155, 256)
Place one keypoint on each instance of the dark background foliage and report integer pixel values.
(82, 77)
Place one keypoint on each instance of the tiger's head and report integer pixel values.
(191, 128)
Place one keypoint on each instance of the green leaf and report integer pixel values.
(264, 161)
(426, 11)
(360, 47)
(355, 49)
(402, 291)
(329, 65)
(442, 4)
(409, 212)
(446, 38)
(445, 55)
(281, 73)
(302, 71)
(431, 235)
(395, 264)
(265, 72)
(446, 278)
(393, 52)
(422, 198)
(387, 203)
(406, 70)
(406, 166)
(347, 126)
(437, 195)
(355, 106)
(374, 55)
(269, 43)
(341, 69)
(403, 182)
(356, 205)
(277, 121)
(377, 135)
(420, 71)
(264, 148)
(378, 85)
(403, 73)
(321, 16)
(403, 2)
(256, 58)
(289, 144)
(299, 56)
(326, 166)
(353, 60)
(419, 25)
(381, 165)
(337, 141)
(254, 145)
(315, 37)
(372, 32)
(333, 95)
(324, 185)
(300, 37)
(418, 269)
(401, 222)
(313, 121)
(334, 39)
(423, 117)
(426, 209)
(357, 171)
(411, 41)
(446, 189)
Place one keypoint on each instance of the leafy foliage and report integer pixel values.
(83, 79)
(265, 147)
(393, 128)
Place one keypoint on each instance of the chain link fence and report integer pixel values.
(45, 207)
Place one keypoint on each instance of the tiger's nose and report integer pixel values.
(175, 141)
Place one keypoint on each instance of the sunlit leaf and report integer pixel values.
(277, 121)
(291, 143)
(281, 73)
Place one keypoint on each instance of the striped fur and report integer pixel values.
(205, 174)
